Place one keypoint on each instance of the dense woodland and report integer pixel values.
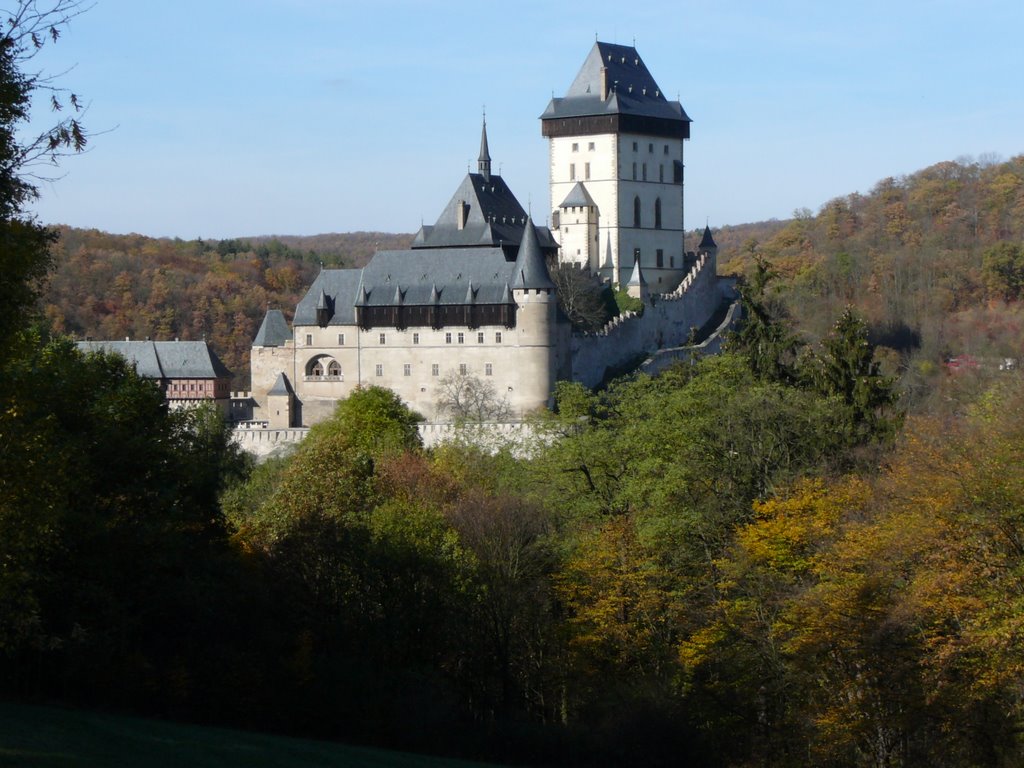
(107, 286)
(808, 550)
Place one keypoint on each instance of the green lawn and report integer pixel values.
(43, 737)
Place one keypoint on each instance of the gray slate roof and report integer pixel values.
(274, 330)
(707, 241)
(342, 285)
(631, 88)
(636, 277)
(165, 359)
(493, 217)
(531, 271)
(281, 386)
(578, 195)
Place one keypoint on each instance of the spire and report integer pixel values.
(483, 163)
(707, 242)
(637, 285)
(637, 277)
(530, 271)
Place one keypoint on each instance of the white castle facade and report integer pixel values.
(473, 296)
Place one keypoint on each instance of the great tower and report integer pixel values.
(616, 170)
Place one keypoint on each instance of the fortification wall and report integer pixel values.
(666, 322)
(712, 345)
(519, 436)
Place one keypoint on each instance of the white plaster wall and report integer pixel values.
(522, 363)
(648, 239)
(612, 188)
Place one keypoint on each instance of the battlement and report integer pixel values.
(668, 320)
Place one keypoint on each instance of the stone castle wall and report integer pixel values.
(666, 322)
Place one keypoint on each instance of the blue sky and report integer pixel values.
(223, 118)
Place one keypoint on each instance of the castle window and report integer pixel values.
(666, 149)
(380, 369)
(317, 369)
(488, 369)
(333, 370)
(383, 338)
(462, 338)
(497, 337)
(590, 146)
(572, 171)
(657, 213)
(636, 211)
(480, 338)
(661, 173)
(660, 256)
(435, 369)
(407, 370)
(645, 171)
(448, 338)
(634, 171)
(575, 147)
(415, 338)
(634, 146)
(586, 170)
(341, 339)
(672, 261)
(309, 339)
(650, 148)
(463, 370)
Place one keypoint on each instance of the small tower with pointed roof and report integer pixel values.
(707, 244)
(536, 316)
(280, 402)
(637, 285)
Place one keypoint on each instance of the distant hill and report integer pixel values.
(107, 286)
(934, 260)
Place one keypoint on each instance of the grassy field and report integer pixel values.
(43, 737)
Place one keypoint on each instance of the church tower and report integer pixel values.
(616, 170)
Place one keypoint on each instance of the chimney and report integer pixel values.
(604, 83)
(460, 214)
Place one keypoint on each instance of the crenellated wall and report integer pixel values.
(668, 320)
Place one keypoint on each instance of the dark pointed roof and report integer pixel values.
(707, 241)
(274, 330)
(493, 217)
(281, 386)
(631, 90)
(578, 195)
(483, 163)
(530, 271)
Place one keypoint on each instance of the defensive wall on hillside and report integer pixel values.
(262, 442)
(667, 321)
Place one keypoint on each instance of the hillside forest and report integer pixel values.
(808, 550)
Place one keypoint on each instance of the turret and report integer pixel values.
(279, 403)
(707, 244)
(534, 295)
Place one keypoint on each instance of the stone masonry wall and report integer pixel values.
(667, 321)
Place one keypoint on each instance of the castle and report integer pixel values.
(473, 296)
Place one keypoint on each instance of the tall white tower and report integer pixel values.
(616, 170)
